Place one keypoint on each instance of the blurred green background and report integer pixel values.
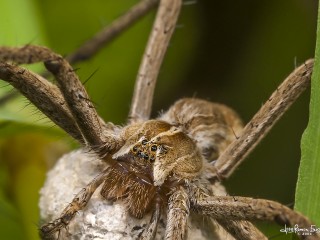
(233, 52)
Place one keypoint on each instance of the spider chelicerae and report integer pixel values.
(168, 165)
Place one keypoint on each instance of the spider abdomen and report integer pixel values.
(213, 126)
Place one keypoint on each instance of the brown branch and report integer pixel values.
(264, 119)
(92, 46)
(162, 31)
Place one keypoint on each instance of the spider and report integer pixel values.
(174, 163)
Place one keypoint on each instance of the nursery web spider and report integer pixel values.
(175, 162)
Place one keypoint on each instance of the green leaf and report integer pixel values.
(9, 217)
(22, 23)
(22, 26)
(308, 185)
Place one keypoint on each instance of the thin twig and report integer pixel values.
(264, 119)
(99, 40)
(162, 31)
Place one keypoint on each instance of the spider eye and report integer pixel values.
(154, 148)
(144, 142)
(135, 148)
(146, 156)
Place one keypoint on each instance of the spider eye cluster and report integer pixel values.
(145, 150)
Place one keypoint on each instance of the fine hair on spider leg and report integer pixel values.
(152, 178)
